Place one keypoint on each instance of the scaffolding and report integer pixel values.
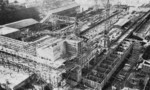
(13, 55)
(102, 72)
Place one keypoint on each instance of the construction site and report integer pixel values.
(67, 46)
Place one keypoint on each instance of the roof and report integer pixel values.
(60, 9)
(143, 9)
(22, 23)
(48, 41)
(11, 77)
(10, 41)
(122, 22)
(134, 80)
(64, 8)
(7, 30)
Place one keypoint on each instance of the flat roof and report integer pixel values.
(114, 30)
(7, 30)
(122, 22)
(47, 42)
(11, 41)
(22, 23)
(11, 78)
(72, 5)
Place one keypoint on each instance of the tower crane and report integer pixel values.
(96, 4)
(107, 23)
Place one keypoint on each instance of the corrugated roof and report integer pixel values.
(7, 30)
(22, 23)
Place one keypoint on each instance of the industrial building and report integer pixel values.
(70, 49)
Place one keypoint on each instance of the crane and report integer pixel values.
(107, 24)
(96, 4)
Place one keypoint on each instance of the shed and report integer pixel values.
(122, 22)
(22, 23)
(7, 30)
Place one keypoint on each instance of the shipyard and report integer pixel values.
(74, 45)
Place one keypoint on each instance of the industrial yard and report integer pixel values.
(63, 45)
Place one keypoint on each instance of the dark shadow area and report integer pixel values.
(146, 54)
(1, 88)
(135, 37)
(12, 15)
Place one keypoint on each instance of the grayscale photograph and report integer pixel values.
(74, 44)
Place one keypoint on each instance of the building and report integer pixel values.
(102, 72)
(58, 49)
(136, 81)
(69, 10)
(26, 28)
(145, 66)
(9, 32)
(63, 61)
(11, 80)
(45, 7)
(22, 23)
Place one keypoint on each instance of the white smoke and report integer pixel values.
(85, 4)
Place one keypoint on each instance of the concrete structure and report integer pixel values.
(60, 60)
(146, 66)
(136, 81)
(101, 73)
